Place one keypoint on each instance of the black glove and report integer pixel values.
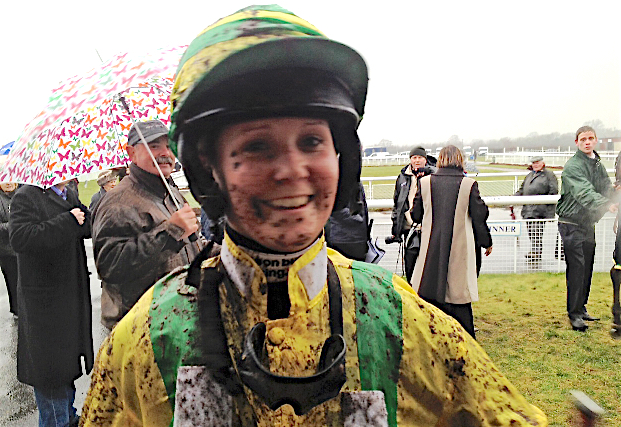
(420, 172)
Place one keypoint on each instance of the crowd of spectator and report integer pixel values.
(263, 300)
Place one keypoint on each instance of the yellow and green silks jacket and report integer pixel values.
(427, 369)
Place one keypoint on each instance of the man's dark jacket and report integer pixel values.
(401, 204)
(5, 202)
(134, 243)
(585, 192)
(96, 198)
(400, 199)
(54, 299)
(538, 183)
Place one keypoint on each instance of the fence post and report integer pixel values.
(603, 237)
(561, 250)
(515, 184)
(515, 253)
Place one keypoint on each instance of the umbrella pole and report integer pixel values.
(172, 196)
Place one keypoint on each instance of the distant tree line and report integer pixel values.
(532, 141)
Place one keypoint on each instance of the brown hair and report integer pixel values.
(450, 156)
(585, 129)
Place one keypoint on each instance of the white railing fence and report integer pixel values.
(551, 158)
(512, 246)
(490, 184)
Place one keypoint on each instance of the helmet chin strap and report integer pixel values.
(142, 140)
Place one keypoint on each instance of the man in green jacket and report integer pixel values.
(585, 197)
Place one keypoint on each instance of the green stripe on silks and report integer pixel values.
(173, 327)
(379, 332)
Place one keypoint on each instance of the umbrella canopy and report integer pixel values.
(84, 128)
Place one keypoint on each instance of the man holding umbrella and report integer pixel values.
(138, 233)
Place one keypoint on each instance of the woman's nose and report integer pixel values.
(291, 164)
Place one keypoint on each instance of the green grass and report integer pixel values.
(370, 171)
(393, 171)
(524, 328)
(88, 188)
(382, 191)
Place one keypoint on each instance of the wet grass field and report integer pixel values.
(524, 328)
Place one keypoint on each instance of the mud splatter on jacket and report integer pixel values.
(428, 369)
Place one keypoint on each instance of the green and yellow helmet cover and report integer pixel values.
(264, 61)
(225, 50)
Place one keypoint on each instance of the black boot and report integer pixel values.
(578, 324)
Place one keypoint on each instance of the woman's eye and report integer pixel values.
(258, 146)
(310, 143)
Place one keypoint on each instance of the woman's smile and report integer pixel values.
(289, 203)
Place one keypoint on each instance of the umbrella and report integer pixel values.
(84, 127)
(5, 149)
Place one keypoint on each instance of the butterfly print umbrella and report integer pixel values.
(84, 127)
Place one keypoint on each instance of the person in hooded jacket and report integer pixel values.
(615, 271)
(539, 181)
(273, 327)
(405, 190)
(586, 195)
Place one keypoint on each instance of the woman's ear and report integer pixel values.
(210, 170)
(216, 177)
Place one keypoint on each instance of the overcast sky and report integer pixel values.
(475, 69)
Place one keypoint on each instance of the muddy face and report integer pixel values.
(281, 176)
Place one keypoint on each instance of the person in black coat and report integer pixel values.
(405, 190)
(8, 260)
(107, 181)
(47, 229)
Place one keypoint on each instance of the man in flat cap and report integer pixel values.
(405, 190)
(538, 182)
(138, 234)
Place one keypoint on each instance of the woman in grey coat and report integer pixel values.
(539, 181)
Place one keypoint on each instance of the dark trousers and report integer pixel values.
(617, 252)
(411, 250)
(579, 245)
(9, 271)
(535, 235)
(460, 312)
